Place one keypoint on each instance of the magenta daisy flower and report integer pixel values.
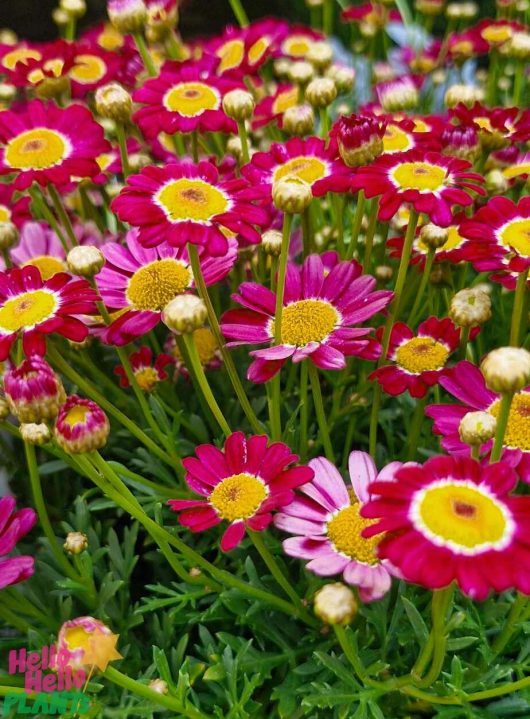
(466, 383)
(47, 144)
(183, 202)
(146, 372)
(92, 67)
(418, 360)
(272, 107)
(32, 308)
(13, 526)
(453, 250)
(241, 484)
(407, 133)
(40, 247)
(319, 311)
(11, 209)
(328, 526)
(432, 183)
(452, 520)
(139, 282)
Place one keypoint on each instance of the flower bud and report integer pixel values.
(161, 21)
(114, 102)
(37, 434)
(234, 147)
(496, 182)
(271, 242)
(383, 273)
(300, 72)
(81, 426)
(320, 55)
(433, 236)
(430, 7)
(8, 36)
(335, 604)
(185, 314)
(460, 141)
(33, 391)
(291, 195)
(158, 685)
(8, 235)
(127, 16)
(73, 8)
(60, 17)
(461, 10)
(518, 46)
(470, 307)
(360, 138)
(321, 92)
(475, 428)
(7, 92)
(506, 369)
(400, 94)
(298, 120)
(466, 94)
(76, 542)
(282, 67)
(80, 638)
(239, 105)
(342, 76)
(85, 260)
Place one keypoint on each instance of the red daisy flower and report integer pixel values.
(146, 372)
(418, 359)
(453, 250)
(429, 181)
(298, 41)
(92, 68)
(183, 202)
(32, 308)
(242, 484)
(10, 55)
(54, 61)
(452, 520)
(245, 50)
(406, 133)
(47, 144)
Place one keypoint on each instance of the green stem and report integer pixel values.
(505, 635)
(239, 12)
(441, 601)
(319, 410)
(90, 209)
(303, 411)
(370, 233)
(7, 258)
(415, 427)
(195, 146)
(464, 339)
(518, 82)
(324, 122)
(327, 17)
(145, 54)
(124, 155)
(280, 288)
(243, 136)
(374, 419)
(307, 239)
(518, 319)
(502, 423)
(356, 224)
(62, 214)
(44, 211)
(423, 286)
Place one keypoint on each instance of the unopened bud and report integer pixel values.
(466, 94)
(37, 434)
(239, 105)
(496, 182)
(506, 369)
(291, 194)
(8, 235)
(127, 16)
(299, 120)
(159, 686)
(321, 92)
(114, 102)
(73, 8)
(301, 72)
(475, 428)
(76, 542)
(343, 77)
(384, 273)
(185, 314)
(271, 242)
(470, 307)
(320, 55)
(85, 260)
(433, 236)
(335, 604)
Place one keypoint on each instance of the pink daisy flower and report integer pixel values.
(418, 360)
(241, 484)
(452, 520)
(13, 526)
(374, 14)
(297, 42)
(92, 67)
(272, 107)
(139, 282)
(32, 308)
(406, 133)
(51, 66)
(183, 202)
(13, 210)
(40, 247)
(328, 526)
(466, 383)
(432, 183)
(146, 372)
(47, 144)
(245, 50)
(319, 311)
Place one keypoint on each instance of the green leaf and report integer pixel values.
(418, 625)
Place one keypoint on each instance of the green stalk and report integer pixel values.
(44, 211)
(62, 214)
(356, 224)
(124, 155)
(423, 286)
(280, 289)
(195, 146)
(518, 319)
(505, 635)
(144, 54)
(441, 601)
(7, 259)
(502, 423)
(303, 411)
(307, 238)
(415, 427)
(370, 233)
(319, 411)
(239, 12)
(243, 136)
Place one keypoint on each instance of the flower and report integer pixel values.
(85, 643)
(146, 373)
(467, 384)
(141, 281)
(328, 525)
(33, 308)
(359, 137)
(40, 247)
(453, 250)
(33, 391)
(319, 311)
(183, 202)
(242, 484)
(47, 74)
(272, 107)
(13, 526)
(373, 14)
(184, 98)
(431, 182)
(13, 210)
(453, 520)
(81, 426)
(418, 359)
(92, 68)
(47, 144)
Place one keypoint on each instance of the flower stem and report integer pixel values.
(374, 419)
(303, 411)
(243, 136)
(195, 146)
(370, 233)
(239, 12)
(280, 289)
(145, 54)
(423, 285)
(464, 339)
(519, 82)
(502, 423)
(505, 635)
(319, 410)
(441, 600)
(62, 214)
(327, 17)
(518, 309)
(42, 206)
(415, 427)
(356, 224)
(124, 156)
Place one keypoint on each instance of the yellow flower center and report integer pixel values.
(88, 69)
(110, 39)
(5, 214)
(191, 98)
(517, 434)
(238, 496)
(36, 149)
(104, 160)
(77, 638)
(255, 53)
(147, 378)
(21, 54)
(421, 354)
(154, 285)
(462, 516)
(205, 343)
(421, 126)
(55, 67)
(344, 532)
(297, 46)
(484, 123)
(195, 200)
(396, 140)
(307, 321)
(26, 310)
(516, 235)
(231, 54)
(516, 170)
(310, 169)
(421, 176)
(497, 34)
(48, 265)
(76, 415)
(285, 100)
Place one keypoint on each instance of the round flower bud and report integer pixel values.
(400, 94)
(159, 686)
(271, 241)
(37, 434)
(60, 17)
(7, 92)
(470, 307)
(8, 37)
(460, 141)
(8, 235)
(81, 426)
(73, 8)
(239, 105)
(466, 94)
(320, 55)
(138, 160)
(185, 314)
(291, 194)
(496, 182)
(298, 120)
(127, 16)
(161, 21)
(518, 46)
(85, 260)
(360, 139)
(33, 391)
(461, 10)
(335, 604)
(433, 236)
(321, 92)
(342, 76)
(282, 67)
(475, 428)
(384, 273)
(76, 542)
(506, 369)
(234, 147)
(301, 72)
(114, 102)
